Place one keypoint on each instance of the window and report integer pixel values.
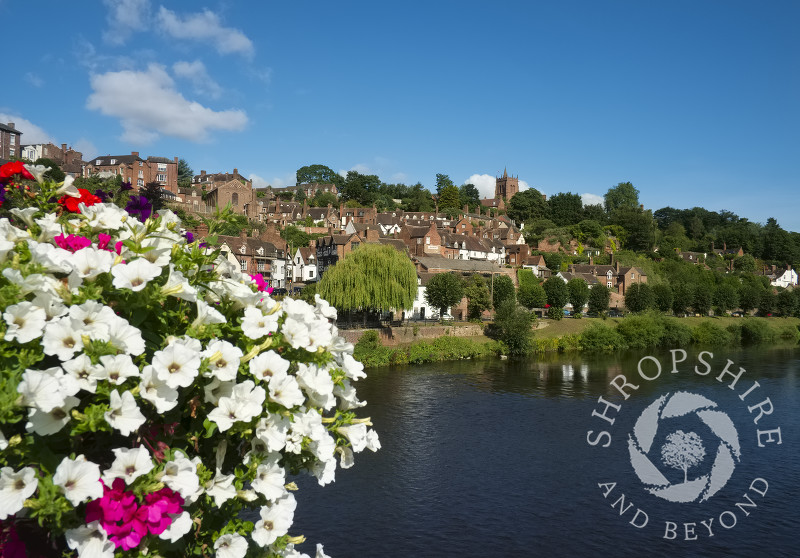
(608, 284)
(235, 199)
(244, 265)
(162, 167)
(427, 240)
(98, 162)
(141, 163)
(354, 245)
(13, 139)
(161, 177)
(633, 276)
(11, 150)
(141, 174)
(140, 182)
(311, 273)
(113, 161)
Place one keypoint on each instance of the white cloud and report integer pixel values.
(523, 186)
(205, 27)
(399, 177)
(591, 199)
(124, 18)
(360, 168)
(484, 183)
(31, 133)
(197, 74)
(86, 147)
(148, 105)
(33, 79)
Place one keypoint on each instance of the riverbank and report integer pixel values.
(588, 334)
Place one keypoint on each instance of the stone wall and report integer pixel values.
(405, 334)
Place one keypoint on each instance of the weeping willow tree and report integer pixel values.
(372, 277)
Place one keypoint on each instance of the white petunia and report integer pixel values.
(319, 335)
(26, 215)
(352, 368)
(25, 322)
(157, 392)
(324, 471)
(90, 541)
(223, 359)
(90, 262)
(117, 369)
(296, 333)
(251, 396)
(180, 476)
(275, 522)
(34, 283)
(123, 413)
(105, 216)
(51, 304)
(256, 325)
(62, 338)
(207, 314)
(79, 478)
(50, 227)
(15, 488)
(41, 389)
(298, 309)
(321, 552)
(52, 258)
(285, 391)
(176, 365)
(324, 309)
(356, 434)
(231, 545)
(272, 429)
(5, 247)
(178, 286)
(128, 465)
(134, 275)
(94, 318)
(221, 488)
(3, 441)
(270, 480)
(216, 390)
(318, 385)
(125, 337)
(347, 396)
(181, 524)
(268, 365)
(47, 423)
(12, 233)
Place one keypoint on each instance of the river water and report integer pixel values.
(491, 458)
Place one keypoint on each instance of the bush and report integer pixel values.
(641, 332)
(676, 334)
(711, 334)
(512, 326)
(754, 331)
(598, 337)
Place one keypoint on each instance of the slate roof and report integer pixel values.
(446, 264)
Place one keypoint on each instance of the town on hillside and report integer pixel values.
(292, 235)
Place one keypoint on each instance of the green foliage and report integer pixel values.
(532, 295)
(786, 303)
(470, 196)
(557, 294)
(373, 277)
(676, 334)
(226, 222)
(55, 174)
(152, 191)
(623, 195)
(449, 198)
(478, 296)
(749, 297)
(502, 290)
(528, 205)
(323, 199)
(297, 238)
(745, 264)
(683, 298)
(643, 331)
(308, 292)
(319, 174)
(599, 297)
(702, 300)
(639, 297)
(710, 334)
(578, 294)
(512, 326)
(767, 303)
(726, 297)
(553, 261)
(565, 209)
(598, 337)
(444, 290)
(755, 331)
(662, 294)
(185, 174)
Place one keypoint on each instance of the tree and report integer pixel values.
(749, 297)
(532, 296)
(766, 303)
(478, 296)
(374, 276)
(502, 290)
(418, 199)
(745, 264)
(702, 300)
(726, 297)
(470, 196)
(55, 173)
(566, 209)
(639, 297)
(319, 174)
(682, 451)
(362, 188)
(299, 194)
(185, 174)
(442, 181)
(153, 192)
(663, 297)
(449, 198)
(528, 205)
(444, 290)
(599, 297)
(323, 199)
(682, 297)
(578, 294)
(623, 195)
(557, 296)
(512, 325)
(786, 303)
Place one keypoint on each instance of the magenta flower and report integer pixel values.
(261, 284)
(103, 240)
(73, 243)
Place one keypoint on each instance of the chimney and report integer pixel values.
(176, 160)
(63, 148)
(243, 234)
(235, 171)
(202, 173)
(135, 153)
(202, 230)
(465, 209)
(11, 125)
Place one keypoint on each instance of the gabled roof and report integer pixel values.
(446, 264)
(105, 160)
(9, 129)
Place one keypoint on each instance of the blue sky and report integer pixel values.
(696, 103)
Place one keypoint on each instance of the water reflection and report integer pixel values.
(489, 458)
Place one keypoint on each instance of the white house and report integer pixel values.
(787, 278)
(421, 310)
(304, 266)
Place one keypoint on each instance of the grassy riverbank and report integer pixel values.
(592, 334)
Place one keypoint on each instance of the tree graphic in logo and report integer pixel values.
(683, 451)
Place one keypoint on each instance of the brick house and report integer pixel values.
(10, 141)
(69, 160)
(421, 240)
(613, 276)
(224, 188)
(135, 170)
(254, 255)
(334, 247)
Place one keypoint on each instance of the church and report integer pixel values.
(504, 189)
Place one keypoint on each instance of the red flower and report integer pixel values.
(10, 169)
(71, 204)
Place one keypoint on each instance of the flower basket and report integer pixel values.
(154, 400)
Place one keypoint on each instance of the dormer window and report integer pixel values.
(243, 249)
(98, 162)
(113, 161)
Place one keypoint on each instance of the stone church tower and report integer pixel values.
(506, 186)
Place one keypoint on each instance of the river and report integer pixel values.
(492, 458)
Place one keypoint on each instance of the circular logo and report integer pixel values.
(652, 441)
